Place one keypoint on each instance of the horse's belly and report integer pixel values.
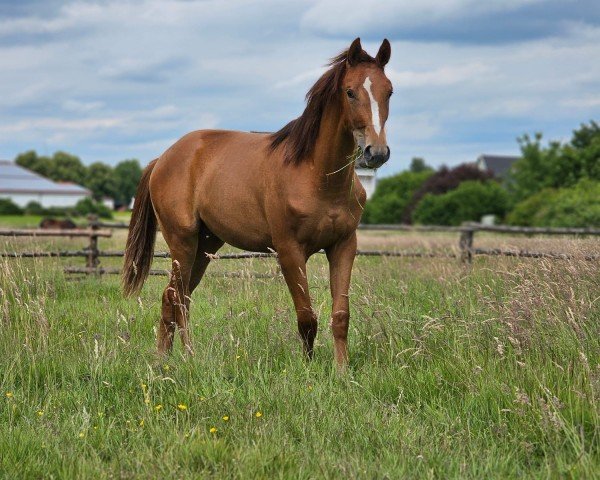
(253, 243)
(241, 231)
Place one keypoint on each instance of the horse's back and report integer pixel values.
(218, 177)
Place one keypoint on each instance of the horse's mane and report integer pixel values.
(300, 135)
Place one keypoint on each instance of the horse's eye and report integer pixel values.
(350, 93)
(391, 93)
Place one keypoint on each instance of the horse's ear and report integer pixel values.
(384, 53)
(354, 52)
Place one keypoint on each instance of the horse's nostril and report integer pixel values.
(387, 154)
(367, 154)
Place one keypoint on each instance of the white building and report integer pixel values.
(368, 178)
(23, 186)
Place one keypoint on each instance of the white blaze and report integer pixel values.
(374, 105)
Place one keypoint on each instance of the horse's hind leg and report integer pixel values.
(208, 244)
(175, 300)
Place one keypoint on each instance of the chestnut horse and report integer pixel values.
(294, 191)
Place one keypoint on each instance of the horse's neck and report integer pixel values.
(333, 162)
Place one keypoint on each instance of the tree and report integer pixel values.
(67, 168)
(28, 159)
(557, 165)
(100, 179)
(418, 165)
(585, 136)
(31, 161)
(126, 177)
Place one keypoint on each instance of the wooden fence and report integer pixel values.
(98, 229)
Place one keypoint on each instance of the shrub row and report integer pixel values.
(84, 207)
(578, 206)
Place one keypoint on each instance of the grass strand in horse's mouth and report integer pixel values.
(353, 157)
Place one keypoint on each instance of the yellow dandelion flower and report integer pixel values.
(202, 399)
(81, 434)
(225, 418)
(158, 407)
(182, 407)
(166, 368)
(141, 423)
(258, 414)
(40, 413)
(310, 387)
(95, 427)
(213, 430)
(9, 395)
(237, 357)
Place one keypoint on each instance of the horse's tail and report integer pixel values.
(140, 239)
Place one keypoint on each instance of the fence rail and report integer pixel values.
(466, 250)
(31, 232)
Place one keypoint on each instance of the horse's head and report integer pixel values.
(367, 93)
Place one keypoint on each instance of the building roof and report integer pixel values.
(499, 165)
(16, 179)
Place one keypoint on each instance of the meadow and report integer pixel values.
(483, 371)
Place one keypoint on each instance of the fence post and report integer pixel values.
(92, 258)
(465, 244)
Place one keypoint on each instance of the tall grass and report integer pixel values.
(487, 372)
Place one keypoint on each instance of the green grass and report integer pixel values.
(488, 372)
(20, 221)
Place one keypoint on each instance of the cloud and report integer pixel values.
(459, 21)
(440, 76)
(113, 79)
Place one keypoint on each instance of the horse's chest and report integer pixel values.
(324, 225)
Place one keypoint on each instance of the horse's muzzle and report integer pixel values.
(374, 157)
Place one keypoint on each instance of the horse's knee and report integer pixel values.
(339, 324)
(170, 296)
(307, 324)
(170, 299)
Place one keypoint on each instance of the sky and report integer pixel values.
(110, 80)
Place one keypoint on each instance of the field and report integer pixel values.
(488, 371)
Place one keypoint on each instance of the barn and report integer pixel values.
(23, 186)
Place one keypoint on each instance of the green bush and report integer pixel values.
(34, 208)
(8, 207)
(526, 213)
(468, 202)
(578, 206)
(59, 212)
(86, 206)
(392, 196)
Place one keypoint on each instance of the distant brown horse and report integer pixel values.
(55, 223)
(294, 191)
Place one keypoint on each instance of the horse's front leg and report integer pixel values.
(341, 258)
(293, 265)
